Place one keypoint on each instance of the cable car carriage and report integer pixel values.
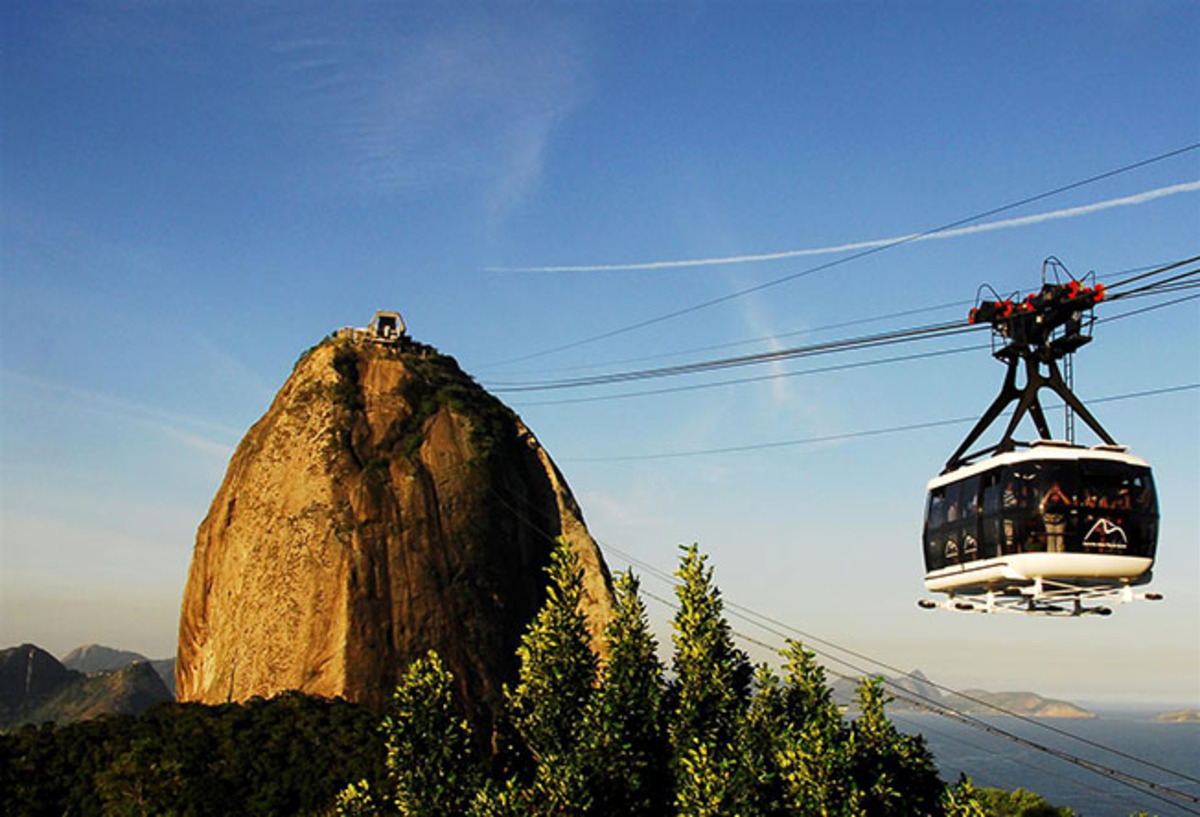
(1046, 527)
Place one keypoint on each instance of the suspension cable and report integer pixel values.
(1152, 268)
(713, 384)
(850, 435)
(853, 257)
(929, 331)
(1153, 272)
(846, 344)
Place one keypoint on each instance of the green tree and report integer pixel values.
(431, 766)
(629, 746)
(962, 800)
(356, 801)
(892, 772)
(709, 783)
(708, 697)
(757, 744)
(552, 701)
(430, 759)
(812, 742)
(1018, 803)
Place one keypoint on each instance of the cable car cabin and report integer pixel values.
(1054, 513)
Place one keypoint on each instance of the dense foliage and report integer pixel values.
(1018, 803)
(619, 737)
(287, 755)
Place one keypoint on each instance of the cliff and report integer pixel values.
(385, 505)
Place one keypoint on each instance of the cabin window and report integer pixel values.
(1028, 532)
(992, 527)
(935, 537)
(968, 526)
(936, 515)
(1118, 509)
(1056, 506)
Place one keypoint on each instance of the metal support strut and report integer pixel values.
(1038, 331)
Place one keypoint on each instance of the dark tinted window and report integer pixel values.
(1118, 509)
(992, 526)
(935, 522)
(1086, 506)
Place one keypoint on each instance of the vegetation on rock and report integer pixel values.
(434, 381)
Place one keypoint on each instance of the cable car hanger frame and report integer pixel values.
(1040, 330)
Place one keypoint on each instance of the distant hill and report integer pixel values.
(165, 667)
(98, 658)
(1021, 703)
(1180, 716)
(130, 690)
(35, 687)
(914, 685)
(917, 686)
(28, 676)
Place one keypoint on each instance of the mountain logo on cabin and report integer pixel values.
(1106, 534)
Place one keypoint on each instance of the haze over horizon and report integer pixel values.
(193, 194)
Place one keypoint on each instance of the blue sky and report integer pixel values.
(194, 193)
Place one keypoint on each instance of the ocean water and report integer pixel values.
(994, 761)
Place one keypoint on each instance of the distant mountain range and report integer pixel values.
(97, 658)
(36, 687)
(915, 688)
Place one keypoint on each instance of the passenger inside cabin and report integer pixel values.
(1054, 507)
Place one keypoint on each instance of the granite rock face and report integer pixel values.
(385, 505)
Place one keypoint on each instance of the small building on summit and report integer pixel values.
(386, 328)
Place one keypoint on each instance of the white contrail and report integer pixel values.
(1069, 212)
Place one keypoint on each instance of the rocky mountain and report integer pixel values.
(28, 675)
(165, 667)
(127, 691)
(384, 505)
(919, 686)
(36, 687)
(94, 658)
(98, 658)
